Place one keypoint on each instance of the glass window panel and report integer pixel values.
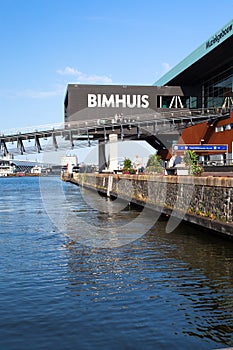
(218, 88)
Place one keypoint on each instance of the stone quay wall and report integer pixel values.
(205, 201)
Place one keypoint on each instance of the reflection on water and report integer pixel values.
(160, 291)
(184, 280)
(96, 220)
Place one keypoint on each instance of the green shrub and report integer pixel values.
(154, 165)
(191, 161)
(127, 167)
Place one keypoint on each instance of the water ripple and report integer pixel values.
(162, 291)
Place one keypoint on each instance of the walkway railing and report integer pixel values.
(159, 115)
(160, 121)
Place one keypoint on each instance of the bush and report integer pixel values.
(127, 167)
(154, 165)
(127, 164)
(191, 161)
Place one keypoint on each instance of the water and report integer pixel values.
(161, 291)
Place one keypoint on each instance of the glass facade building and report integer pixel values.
(207, 72)
(218, 91)
(207, 75)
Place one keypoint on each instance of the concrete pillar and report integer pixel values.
(102, 156)
(113, 152)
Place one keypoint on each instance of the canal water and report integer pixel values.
(156, 291)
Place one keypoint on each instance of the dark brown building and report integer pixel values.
(85, 102)
(202, 82)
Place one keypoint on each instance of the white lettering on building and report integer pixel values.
(116, 101)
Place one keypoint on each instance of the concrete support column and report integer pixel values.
(102, 156)
(113, 152)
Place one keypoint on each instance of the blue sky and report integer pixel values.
(46, 44)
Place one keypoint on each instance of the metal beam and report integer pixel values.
(54, 141)
(122, 133)
(71, 139)
(4, 148)
(20, 146)
(138, 131)
(37, 144)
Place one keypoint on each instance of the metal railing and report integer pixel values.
(159, 115)
(162, 121)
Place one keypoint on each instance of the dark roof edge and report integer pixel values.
(217, 39)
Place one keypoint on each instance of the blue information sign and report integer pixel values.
(213, 148)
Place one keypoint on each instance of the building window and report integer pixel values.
(177, 102)
(219, 128)
(224, 127)
(218, 91)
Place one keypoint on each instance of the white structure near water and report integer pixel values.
(69, 162)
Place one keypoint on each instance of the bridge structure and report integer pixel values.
(159, 129)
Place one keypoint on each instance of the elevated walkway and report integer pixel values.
(158, 124)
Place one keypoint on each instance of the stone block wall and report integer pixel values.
(207, 201)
